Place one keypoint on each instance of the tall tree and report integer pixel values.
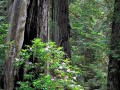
(28, 19)
(15, 37)
(114, 57)
(60, 24)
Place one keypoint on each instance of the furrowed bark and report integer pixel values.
(43, 17)
(114, 57)
(60, 25)
(37, 21)
(15, 38)
(28, 20)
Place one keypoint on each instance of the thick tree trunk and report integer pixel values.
(55, 27)
(60, 24)
(114, 58)
(28, 19)
(44, 21)
(37, 21)
(36, 26)
(15, 37)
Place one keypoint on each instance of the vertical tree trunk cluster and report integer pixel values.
(114, 57)
(29, 19)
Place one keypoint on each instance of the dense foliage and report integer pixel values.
(50, 72)
(89, 42)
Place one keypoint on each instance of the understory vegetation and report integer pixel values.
(48, 70)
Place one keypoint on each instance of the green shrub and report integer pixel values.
(55, 72)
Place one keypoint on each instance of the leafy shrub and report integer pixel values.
(55, 72)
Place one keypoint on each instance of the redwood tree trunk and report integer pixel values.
(60, 24)
(28, 19)
(114, 57)
(15, 37)
(37, 21)
(36, 26)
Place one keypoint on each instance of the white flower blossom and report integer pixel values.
(72, 85)
(60, 67)
(68, 70)
(63, 63)
(30, 48)
(66, 77)
(30, 63)
(74, 78)
(17, 59)
(52, 79)
(47, 48)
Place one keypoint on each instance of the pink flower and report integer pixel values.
(53, 78)
(63, 63)
(66, 77)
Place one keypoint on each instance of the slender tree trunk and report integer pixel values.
(114, 57)
(60, 24)
(15, 37)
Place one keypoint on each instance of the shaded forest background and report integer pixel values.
(90, 25)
